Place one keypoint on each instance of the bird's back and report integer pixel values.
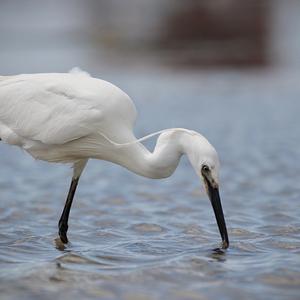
(54, 109)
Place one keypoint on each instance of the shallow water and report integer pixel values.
(135, 238)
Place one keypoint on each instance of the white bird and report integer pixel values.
(72, 117)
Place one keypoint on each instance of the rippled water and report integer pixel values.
(135, 238)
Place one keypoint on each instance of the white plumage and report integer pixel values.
(72, 117)
(54, 109)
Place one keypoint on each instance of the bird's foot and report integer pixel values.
(63, 233)
(63, 237)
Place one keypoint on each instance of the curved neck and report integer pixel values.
(160, 163)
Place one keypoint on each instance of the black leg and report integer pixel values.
(63, 221)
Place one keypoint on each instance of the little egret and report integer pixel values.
(72, 117)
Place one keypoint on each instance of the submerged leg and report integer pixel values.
(63, 221)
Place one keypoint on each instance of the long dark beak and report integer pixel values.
(214, 196)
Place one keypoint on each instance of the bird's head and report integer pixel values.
(205, 161)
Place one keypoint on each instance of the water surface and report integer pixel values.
(135, 238)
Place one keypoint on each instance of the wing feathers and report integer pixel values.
(37, 113)
(58, 108)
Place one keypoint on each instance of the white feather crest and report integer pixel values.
(147, 136)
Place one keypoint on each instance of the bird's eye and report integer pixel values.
(205, 168)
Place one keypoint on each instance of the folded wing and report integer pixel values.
(58, 108)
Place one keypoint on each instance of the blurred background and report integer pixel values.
(45, 36)
(229, 69)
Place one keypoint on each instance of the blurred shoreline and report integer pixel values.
(201, 35)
